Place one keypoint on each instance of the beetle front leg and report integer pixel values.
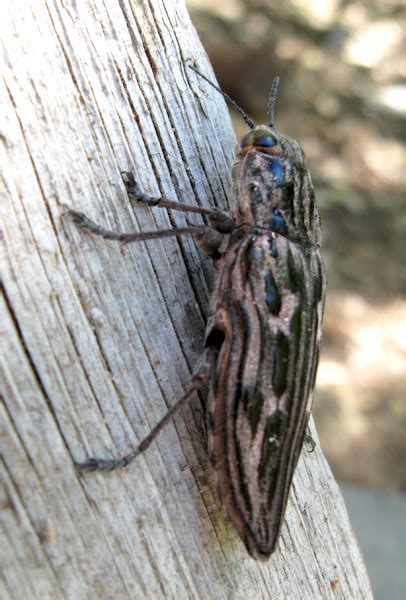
(219, 219)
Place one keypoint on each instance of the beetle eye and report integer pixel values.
(265, 141)
(261, 141)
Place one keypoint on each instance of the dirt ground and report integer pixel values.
(343, 97)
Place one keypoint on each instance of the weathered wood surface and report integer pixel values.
(98, 340)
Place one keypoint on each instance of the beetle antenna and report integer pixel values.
(271, 103)
(227, 98)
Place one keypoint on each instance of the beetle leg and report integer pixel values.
(219, 219)
(309, 441)
(199, 380)
(208, 240)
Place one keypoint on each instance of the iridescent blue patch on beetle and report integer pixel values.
(272, 245)
(265, 141)
(278, 222)
(277, 170)
(272, 296)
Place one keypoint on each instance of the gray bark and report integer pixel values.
(98, 340)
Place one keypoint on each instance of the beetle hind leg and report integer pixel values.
(200, 378)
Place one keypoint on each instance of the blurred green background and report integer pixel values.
(342, 95)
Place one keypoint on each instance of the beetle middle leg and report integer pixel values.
(207, 238)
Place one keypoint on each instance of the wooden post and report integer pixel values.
(98, 340)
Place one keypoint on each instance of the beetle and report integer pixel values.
(263, 331)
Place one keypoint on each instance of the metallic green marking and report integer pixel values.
(281, 364)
